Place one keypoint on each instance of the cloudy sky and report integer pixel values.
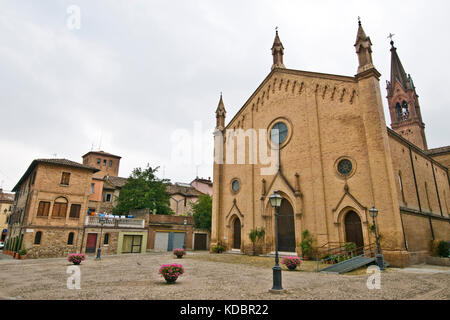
(138, 71)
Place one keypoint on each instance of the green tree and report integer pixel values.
(202, 212)
(144, 190)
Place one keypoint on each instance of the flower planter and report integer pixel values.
(171, 280)
(23, 257)
(17, 256)
(171, 272)
(292, 267)
(179, 256)
(76, 258)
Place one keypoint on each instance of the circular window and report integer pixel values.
(235, 185)
(345, 167)
(279, 132)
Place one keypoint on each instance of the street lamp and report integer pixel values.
(185, 224)
(275, 201)
(380, 262)
(99, 250)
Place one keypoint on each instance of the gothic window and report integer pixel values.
(398, 110)
(405, 110)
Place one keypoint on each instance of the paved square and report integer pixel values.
(208, 276)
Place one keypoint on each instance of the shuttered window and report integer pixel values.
(43, 209)
(59, 210)
(65, 178)
(75, 210)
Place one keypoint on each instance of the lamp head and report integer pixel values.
(373, 212)
(275, 199)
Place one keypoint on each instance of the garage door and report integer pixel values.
(178, 240)
(161, 241)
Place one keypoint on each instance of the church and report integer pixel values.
(337, 159)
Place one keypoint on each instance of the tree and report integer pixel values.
(144, 190)
(202, 212)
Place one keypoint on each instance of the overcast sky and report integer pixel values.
(138, 70)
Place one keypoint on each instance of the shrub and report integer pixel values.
(291, 262)
(307, 244)
(171, 272)
(23, 252)
(443, 249)
(218, 248)
(76, 258)
(256, 235)
(179, 252)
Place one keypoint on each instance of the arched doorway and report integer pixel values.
(237, 234)
(286, 227)
(353, 229)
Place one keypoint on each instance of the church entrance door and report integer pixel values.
(353, 230)
(237, 234)
(286, 227)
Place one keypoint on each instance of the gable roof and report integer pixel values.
(116, 182)
(56, 162)
(182, 190)
(292, 72)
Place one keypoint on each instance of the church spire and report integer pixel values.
(220, 114)
(363, 47)
(403, 101)
(398, 72)
(277, 52)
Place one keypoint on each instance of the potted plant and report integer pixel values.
(179, 253)
(76, 258)
(23, 254)
(291, 262)
(218, 248)
(171, 272)
(255, 236)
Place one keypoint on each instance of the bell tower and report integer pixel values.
(403, 102)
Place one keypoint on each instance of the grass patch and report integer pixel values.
(256, 261)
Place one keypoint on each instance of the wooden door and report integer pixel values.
(353, 230)
(200, 241)
(91, 242)
(237, 234)
(286, 227)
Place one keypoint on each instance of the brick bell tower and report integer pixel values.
(403, 101)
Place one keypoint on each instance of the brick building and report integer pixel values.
(50, 206)
(337, 159)
(6, 202)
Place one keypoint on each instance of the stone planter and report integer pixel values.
(438, 261)
(292, 267)
(180, 256)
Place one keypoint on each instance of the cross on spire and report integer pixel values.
(359, 20)
(390, 36)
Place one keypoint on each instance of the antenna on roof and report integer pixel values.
(54, 155)
(92, 146)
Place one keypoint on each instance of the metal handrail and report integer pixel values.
(352, 253)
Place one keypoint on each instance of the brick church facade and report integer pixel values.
(337, 159)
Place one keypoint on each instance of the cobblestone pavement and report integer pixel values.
(136, 277)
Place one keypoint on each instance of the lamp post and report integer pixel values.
(185, 234)
(380, 262)
(275, 201)
(99, 250)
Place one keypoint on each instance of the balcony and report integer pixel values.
(94, 221)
